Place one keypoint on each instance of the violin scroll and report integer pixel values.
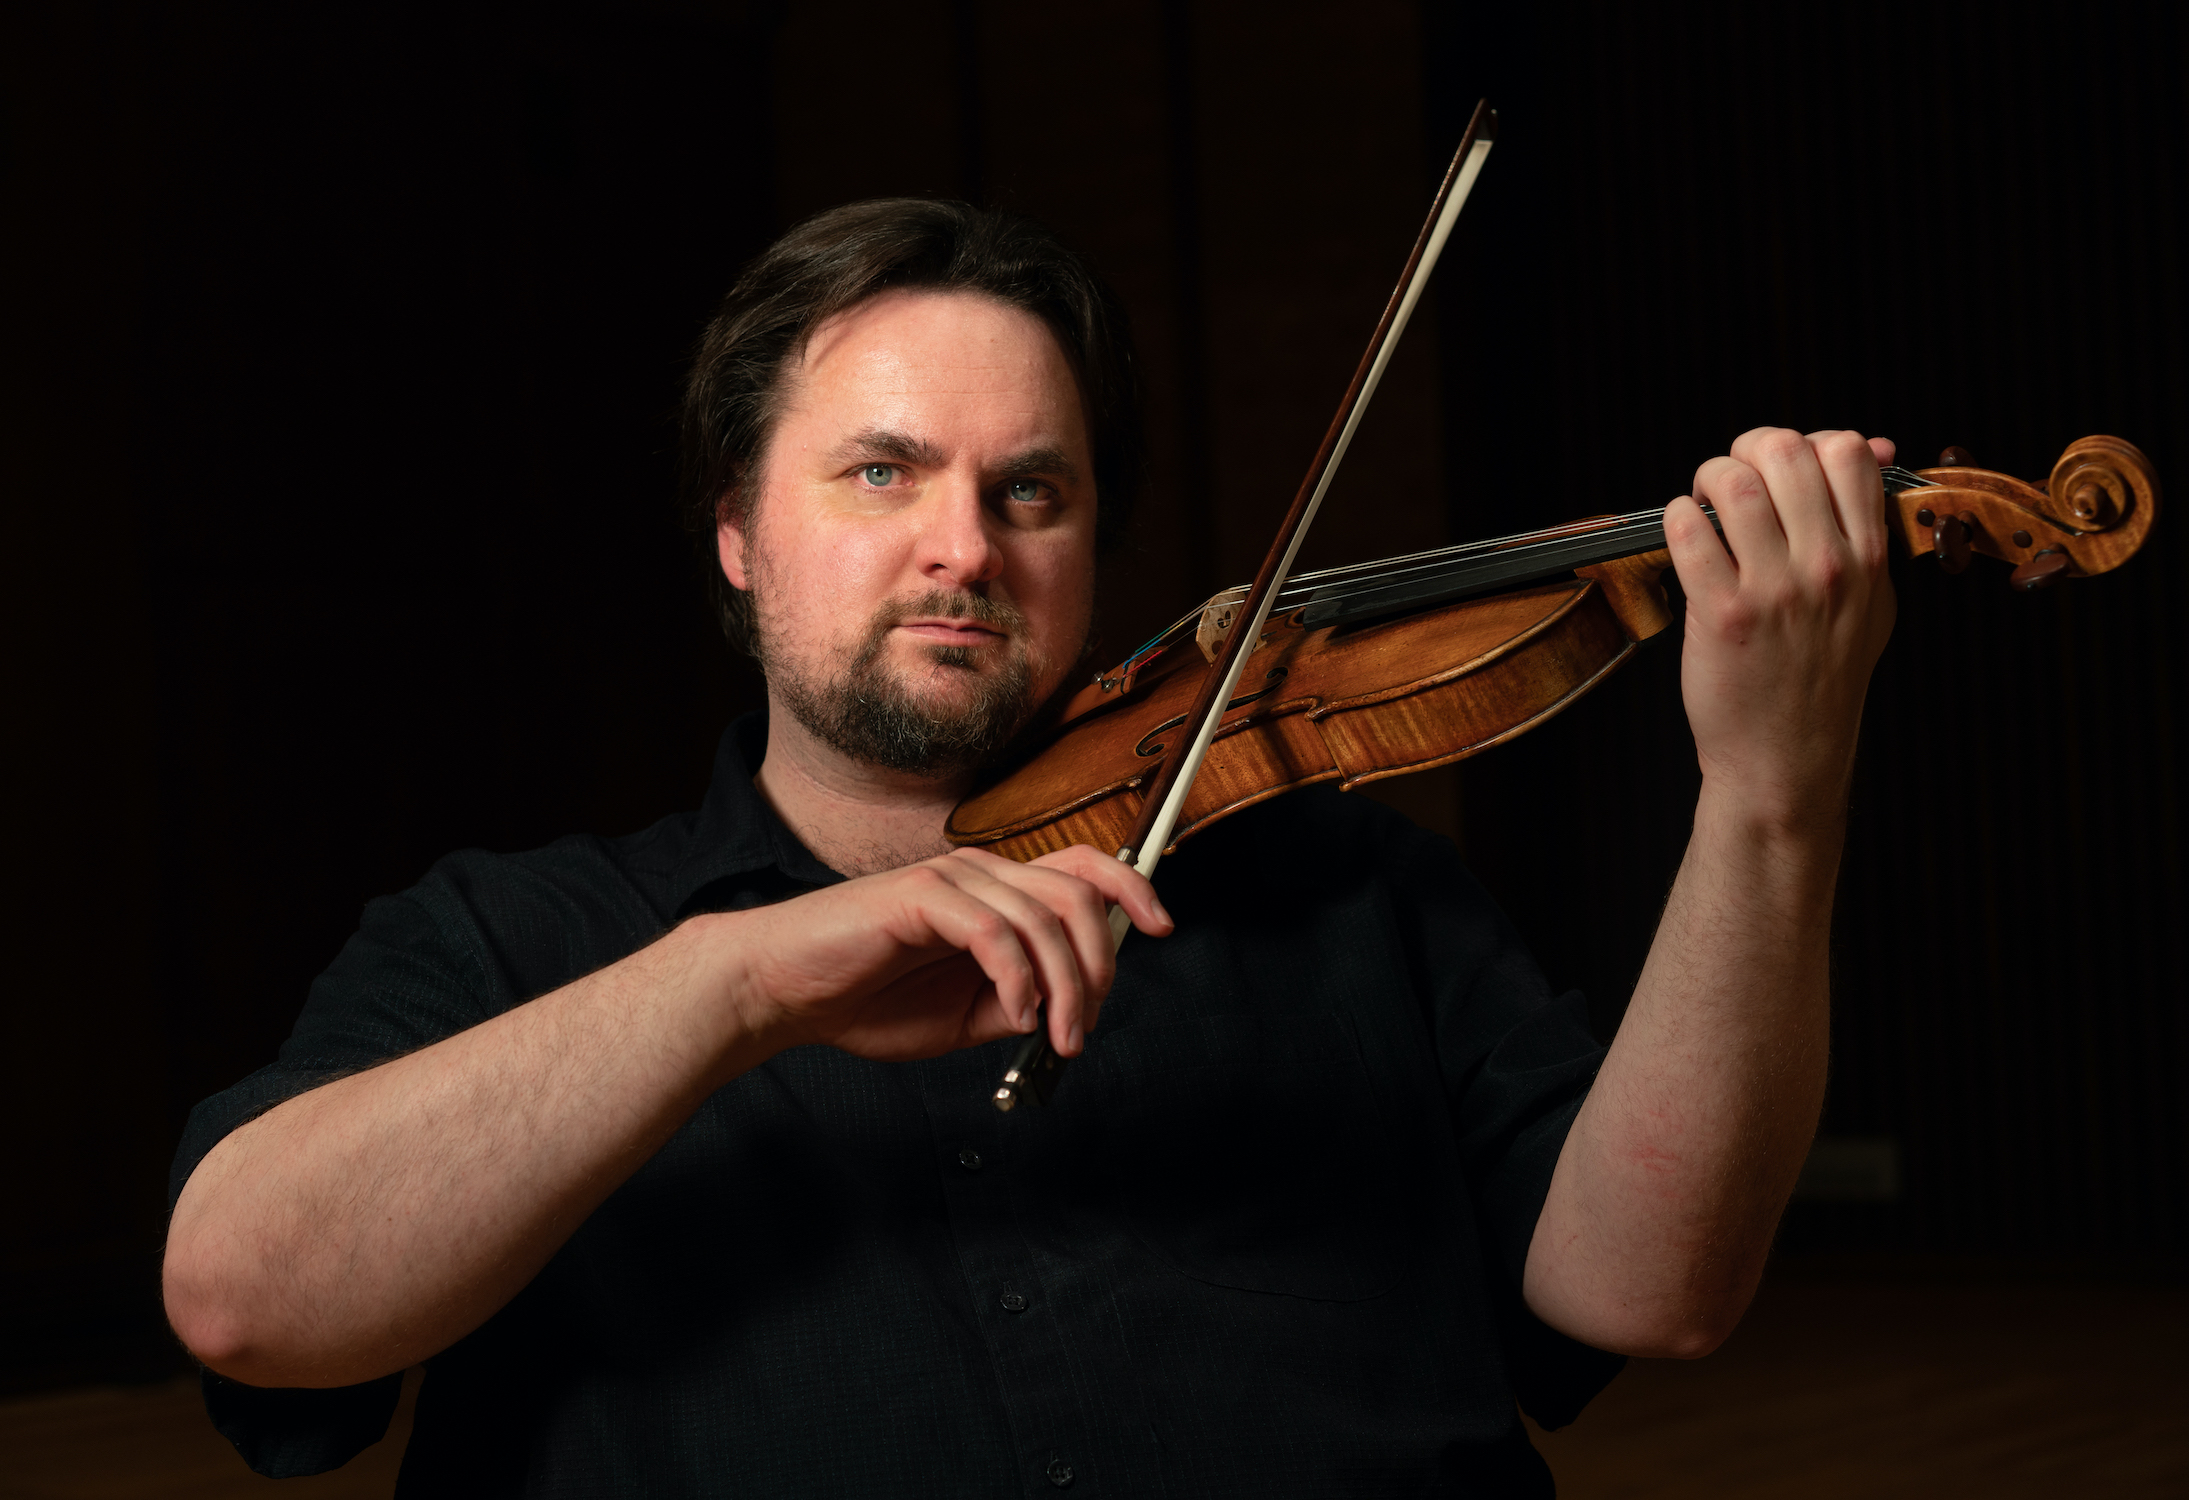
(2090, 515)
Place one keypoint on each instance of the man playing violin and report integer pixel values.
(671, 1155)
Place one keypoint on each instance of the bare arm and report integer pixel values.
(1671, 1183)
(361, 1227)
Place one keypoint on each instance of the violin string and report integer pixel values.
(1613, 532)
(1384, 566)
(1895, 479)
(1628, 537)
(1383, 570)
(1380, 572)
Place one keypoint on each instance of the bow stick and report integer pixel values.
(1036, 1067)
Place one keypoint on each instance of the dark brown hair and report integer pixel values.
(838, 259)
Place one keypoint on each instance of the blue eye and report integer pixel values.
(879, 475)
(1025, 491)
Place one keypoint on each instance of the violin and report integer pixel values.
(1358, 673)
(1415, 662)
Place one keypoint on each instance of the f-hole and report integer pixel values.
(1270, 680)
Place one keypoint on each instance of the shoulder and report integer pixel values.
(523, 923)
(579, 878)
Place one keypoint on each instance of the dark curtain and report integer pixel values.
(1946, 224)
(345, 343)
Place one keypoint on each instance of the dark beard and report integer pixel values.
(866, 713)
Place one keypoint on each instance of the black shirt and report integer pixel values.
(1267, 1240)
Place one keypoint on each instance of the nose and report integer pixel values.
(957, 543)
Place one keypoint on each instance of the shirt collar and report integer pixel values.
(738, 834)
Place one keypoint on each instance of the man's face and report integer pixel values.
(920, 545)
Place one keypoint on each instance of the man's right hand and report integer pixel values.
(948, 953)
(375, 1220)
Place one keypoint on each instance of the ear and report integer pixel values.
(729, 544)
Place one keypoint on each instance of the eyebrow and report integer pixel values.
(881, 443)
(1040, 461)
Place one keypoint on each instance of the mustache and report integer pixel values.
(949, 604)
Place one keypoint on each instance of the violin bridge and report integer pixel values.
(1217, 618)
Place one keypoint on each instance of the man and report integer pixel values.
(672, 1158)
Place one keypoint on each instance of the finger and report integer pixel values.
(1060, 882)
(953, 975)
(1042, 934)
(1749, 520)
(1085, 913)
(1706, 570)
(1800, 494)
(1087, 884)
(1858, 494)
(962, 920)
(1885, 450)
(1120, 884)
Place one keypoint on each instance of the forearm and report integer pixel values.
(369, 1223)
(1671, 1183)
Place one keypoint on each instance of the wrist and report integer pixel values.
(1773, 836)
(743, 1026)
(1790, 811)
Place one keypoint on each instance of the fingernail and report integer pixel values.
(1072, 1042)
(1162, 913)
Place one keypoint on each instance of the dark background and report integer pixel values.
(341, 355)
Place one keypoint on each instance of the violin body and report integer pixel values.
(1355, 702)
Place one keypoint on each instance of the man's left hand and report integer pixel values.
(1785, 617)
(1672, 1179)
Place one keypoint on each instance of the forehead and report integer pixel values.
(912, 358)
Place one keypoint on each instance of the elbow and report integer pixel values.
(1682, 1329)
(1690, 1338)
(211, 1326)
(213, 1313)
(1642, 1327)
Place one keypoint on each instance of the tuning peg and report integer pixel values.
(2042, 571)
(1950, 540)
(1957, 458)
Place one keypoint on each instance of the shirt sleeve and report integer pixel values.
(1516, 1062)
(401, 983)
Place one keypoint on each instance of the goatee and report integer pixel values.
(869, 713)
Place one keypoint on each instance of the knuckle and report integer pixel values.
(1848, 446)
(1738, 616)
(1744, 486)
(1783, 445)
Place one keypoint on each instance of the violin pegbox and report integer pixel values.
(2089, 517)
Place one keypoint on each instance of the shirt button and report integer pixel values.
(1012, 1302)
(969, 1159)
(1060, 1473)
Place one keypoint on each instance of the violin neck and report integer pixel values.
(1404, 585)
(1434, 580)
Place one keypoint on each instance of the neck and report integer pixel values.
(857, 819)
